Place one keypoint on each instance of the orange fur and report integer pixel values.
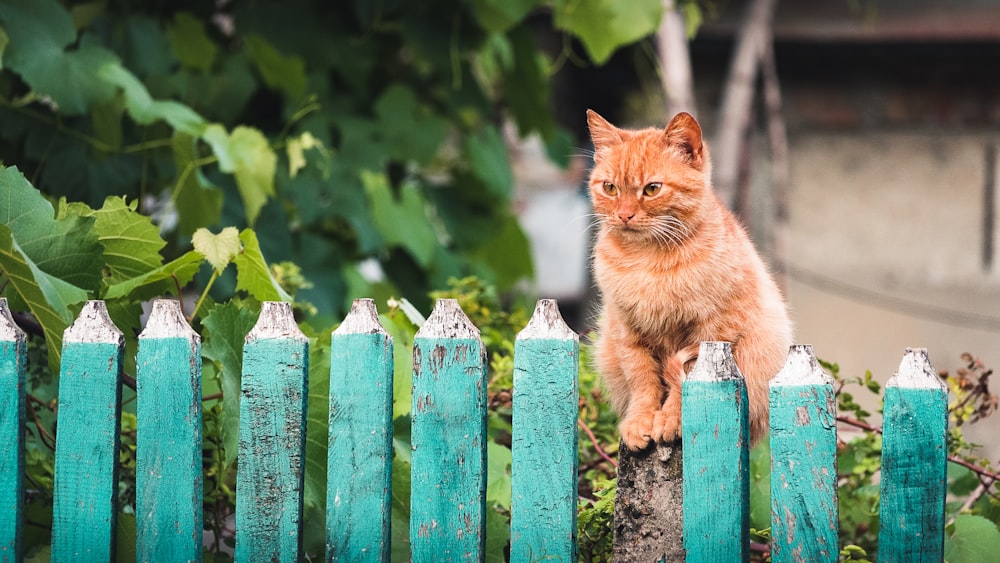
(675, 268)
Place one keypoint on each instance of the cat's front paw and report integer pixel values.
(636, 431)
(666, 426)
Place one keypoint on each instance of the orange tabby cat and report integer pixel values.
(675, 268)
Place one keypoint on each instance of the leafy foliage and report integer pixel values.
(346, 131)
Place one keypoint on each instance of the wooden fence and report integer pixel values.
(449, 440)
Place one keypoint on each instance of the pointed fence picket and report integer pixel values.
(13, 348)
(448, 436)
(168, 463)
(359, 453)
(84, 512)
(716, 457)
(803, 479)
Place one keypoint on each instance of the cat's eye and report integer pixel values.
(610, 188)
(652, 189)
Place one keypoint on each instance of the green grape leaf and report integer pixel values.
(605, 25)
(190, 43)
(506, 256)
(252, 273)
(401, 222)
(225, 328)
(973, 539)
(487, 156)
(497, 536)
(48, 298)
(527, 85)
(168, 279)
(38, 33)
(287, 74)
(127, 316)
(144, 109)
(63, 247)
(83, 15)
(147, 50)
(197, 201)
(314, 493)
(497, 16)
(408, 130)
(131, 241)
(218, 249)
(402, 331)
(400, 510)
(246, 154)
(498, 490)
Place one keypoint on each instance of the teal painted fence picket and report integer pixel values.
(448, 436)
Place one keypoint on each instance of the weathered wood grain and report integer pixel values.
(716, 459)
(271, 466)
(804, 515)
(448, 437)
(544, 443)
(84, 512)
(169, 489)
(914, 463)
(13, 347)
(359, 456)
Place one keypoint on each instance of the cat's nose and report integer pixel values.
(626, 217)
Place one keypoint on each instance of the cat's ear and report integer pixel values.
(602, 133)
(684, 133)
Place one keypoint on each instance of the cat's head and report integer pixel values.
(649, 184)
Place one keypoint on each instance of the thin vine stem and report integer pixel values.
(204, 294)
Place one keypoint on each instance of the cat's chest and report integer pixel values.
(654, 290)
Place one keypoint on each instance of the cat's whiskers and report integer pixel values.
(669, 230)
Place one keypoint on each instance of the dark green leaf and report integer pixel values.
(506, 255)
(605, 25)
(974, 539)
(252, 273)
(131, 242)
(198, 203)
(189, 42)
(247, 155)
(487, 155)
(280, 72)
(226, 325)
(168, 279)
(65, 248)
(497, 16)
(403, 221)
(144, 109)
(410, 132)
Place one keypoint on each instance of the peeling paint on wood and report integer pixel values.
(13, 349)
(448, 436)
(804, 517)
(168, 441)
(914, 463)
(544, 442)
(359, 454)
(84, 511)
(715, 436)
(271, 469)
